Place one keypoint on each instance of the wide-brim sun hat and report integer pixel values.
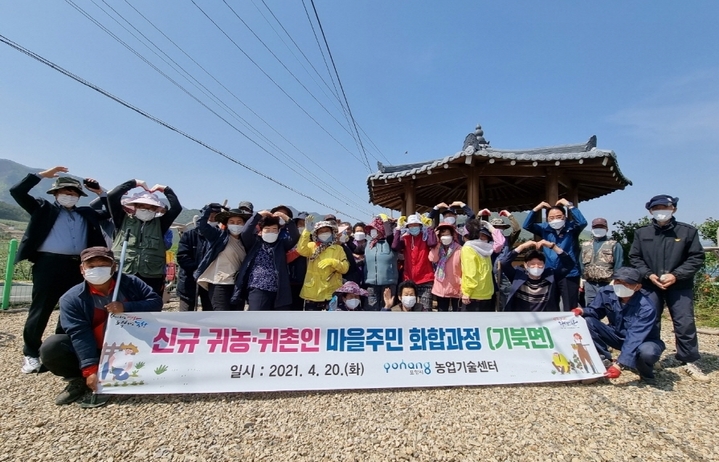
(66, 182)
(351, 287)
(222, 217)
(143, 198)
(325, 224)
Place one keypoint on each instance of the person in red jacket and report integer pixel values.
(416, 242)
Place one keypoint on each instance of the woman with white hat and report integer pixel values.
(147, 219)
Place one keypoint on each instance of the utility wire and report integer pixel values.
(88, 84)
(276, 84)
(320, 182)
(237, 98)
(332, 60)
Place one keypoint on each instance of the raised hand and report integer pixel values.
(92, 185)
(53, 172)
(158, 187)
(484, 212)
(141, 184)
(457, 204)
(388, 297)
(442, 205)
(504, 213)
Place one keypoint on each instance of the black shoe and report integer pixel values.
(648, 380)
(74, 390)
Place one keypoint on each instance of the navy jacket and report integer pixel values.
(77, 311)
(518, 276)
(672, 248)
(43, 215)
(566, 238)
(253, 243)
(635, 322)
(215, 242)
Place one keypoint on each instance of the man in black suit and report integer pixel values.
(58, 231)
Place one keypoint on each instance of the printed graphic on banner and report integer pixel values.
(197, 352)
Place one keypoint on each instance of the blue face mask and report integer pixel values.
(415, 230)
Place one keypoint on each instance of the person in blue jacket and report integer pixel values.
(563, 228)
(632, 326)
(84, 310)
(380, 263)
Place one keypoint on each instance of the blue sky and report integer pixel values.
(643, 77)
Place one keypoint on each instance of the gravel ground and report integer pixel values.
(675, 421)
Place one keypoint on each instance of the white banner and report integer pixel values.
(210, 352)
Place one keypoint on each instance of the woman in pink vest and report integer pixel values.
(448, 273)
(416, 242)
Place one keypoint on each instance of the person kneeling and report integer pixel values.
(632, 325)
(84, 310)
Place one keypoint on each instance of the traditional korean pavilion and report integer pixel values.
(485, 177)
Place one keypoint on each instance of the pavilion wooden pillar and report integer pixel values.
(410, 199)
(574, 193)
(473, 189)
(551, 191)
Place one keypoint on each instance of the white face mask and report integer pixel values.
(352, 303)
(344, 238)
(235, 229)
(622, 291)
(662, 215)
(301, 229)
(282, 222)
(450, 220)
(270, 238)
(373, 233)
(446, 240)
(325, 237)
(212, 223)
(599, 232)
(409, 300)
(144, 214)
(67, 200)
(557, 224)
(360, 236)
(98, 275)
(534, 271)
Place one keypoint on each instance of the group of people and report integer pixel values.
(239, 259)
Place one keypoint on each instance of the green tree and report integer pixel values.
(708, 229)
(624, 234)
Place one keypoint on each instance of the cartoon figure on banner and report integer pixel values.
(120, 365)
(583, 354)
(560, 363)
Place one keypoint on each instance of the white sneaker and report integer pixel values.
(30, 365)
(693, 371)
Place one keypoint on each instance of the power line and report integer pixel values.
(87, 15)
(88, 84)
(288, 141)
(273, 81)
(347, 104)
(237, 116)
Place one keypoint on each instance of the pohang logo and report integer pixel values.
(570, 322)
(414, 367)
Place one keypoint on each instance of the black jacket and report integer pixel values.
(190, 250)
(43, 214)
(673, 248)
(253, 243)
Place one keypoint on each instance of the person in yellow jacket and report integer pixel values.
(326, 263)
(476, 258)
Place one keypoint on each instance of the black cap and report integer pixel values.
(247, 207)
(628, 274)
(301, 216)
(287, 210)
(662, 199)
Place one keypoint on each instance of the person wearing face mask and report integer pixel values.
(190, 250)
(416, 244)
(449, 212)
(350, 297)
(600, 257)
(632, 326)
(84, 309)
(264, 278)
(326, 263)
(511, 234)
(147, 219)
(380, 263)
(297, 266)
(447, 286)
(477, 282)
(357, 244)
(56, 234)
(354, 273)
(564, 225)
(668, 254)
(407, 298)
(223, 256)
(535, 284)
